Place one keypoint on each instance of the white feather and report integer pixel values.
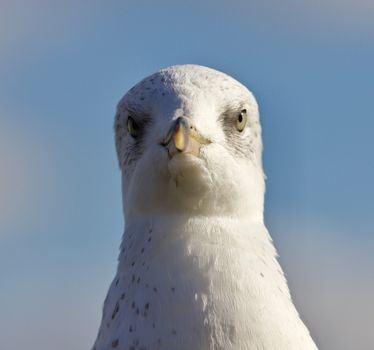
(197, 268)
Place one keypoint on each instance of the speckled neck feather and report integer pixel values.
(197, 268)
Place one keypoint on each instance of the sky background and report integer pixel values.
(63, 67)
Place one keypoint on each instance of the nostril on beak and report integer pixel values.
(167, 138)
(183, 137)
(179, 134)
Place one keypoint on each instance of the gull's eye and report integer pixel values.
(241, 120)
(132, 127)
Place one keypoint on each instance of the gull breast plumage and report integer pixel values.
(197, 268)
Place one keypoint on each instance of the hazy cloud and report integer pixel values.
(331, 279)
(23, 185)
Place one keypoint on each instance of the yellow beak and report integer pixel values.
(185, 138)
(180, 136)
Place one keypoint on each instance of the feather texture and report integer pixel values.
(197, 267)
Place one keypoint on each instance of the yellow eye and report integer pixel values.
(132, 127)
(241, 120)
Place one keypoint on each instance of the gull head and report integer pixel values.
(188, 141)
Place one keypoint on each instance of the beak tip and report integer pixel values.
(180, 141)
(182, 137)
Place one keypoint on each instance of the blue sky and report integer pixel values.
(64, 66)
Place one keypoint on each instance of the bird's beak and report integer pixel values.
(183, 137)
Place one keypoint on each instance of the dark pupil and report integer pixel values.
(240, 118)
(133, 125)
